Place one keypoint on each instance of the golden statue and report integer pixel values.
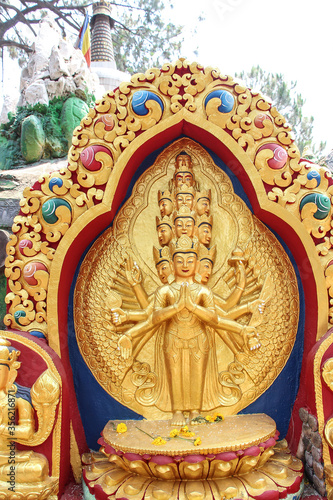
(24, 472)
(178, 295)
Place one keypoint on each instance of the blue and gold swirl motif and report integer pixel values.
(51, 212)
(55, 181)
(227, 100)
(219, 105)
(148, 106)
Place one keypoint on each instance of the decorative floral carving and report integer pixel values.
(113, 124)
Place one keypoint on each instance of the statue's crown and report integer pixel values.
(164, 195)
(184, 244)
(8, 354)
(184, 189)
(161, 254)
(164, 220)
(208, 253)
(183, 212)
(205, 219)
(206, 193)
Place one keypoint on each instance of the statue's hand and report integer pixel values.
(118, 316)
(133, 273)
(257, 305)
(125, 346)
(251, 338)
(189, 304)
(180, 305)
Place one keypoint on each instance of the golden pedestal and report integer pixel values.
(236, 458)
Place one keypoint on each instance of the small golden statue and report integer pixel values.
(24, 472)
(180, 295)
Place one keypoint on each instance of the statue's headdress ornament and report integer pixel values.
(161, 255)
(164, 195)
(184, 212)
(164, 220)
(208, 253)
(205, 219)
(184, 189)
(8, 354)
(184, 244)
(207, 193)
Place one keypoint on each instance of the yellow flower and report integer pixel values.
(184, 429)
(121, 428)
(218, 416)
(159, 441)
(174, 433)
(187, 434)
(210, 418)
(197, 441)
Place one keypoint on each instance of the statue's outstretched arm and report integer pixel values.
(134, 277)
(237, 293)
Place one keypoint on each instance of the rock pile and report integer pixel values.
(55, 68)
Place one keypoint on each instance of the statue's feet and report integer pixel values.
(178, 419)
(194, 414)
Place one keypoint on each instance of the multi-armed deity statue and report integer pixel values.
(147, 266)
(182, 283)
(184, 312)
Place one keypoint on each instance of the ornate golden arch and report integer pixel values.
(122, 128)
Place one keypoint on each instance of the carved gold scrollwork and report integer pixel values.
(115, 122)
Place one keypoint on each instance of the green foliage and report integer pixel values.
(50, 116)
(287, 101)
(142, 39)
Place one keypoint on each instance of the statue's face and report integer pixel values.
(164, 233)
(166, 206)
(204, 234)
(4, 375)
(183, 162)
(184, 178)
(205, 270)
(203, 206)
(185, 264)
(164, 270)
(184, 199)
(184, 225)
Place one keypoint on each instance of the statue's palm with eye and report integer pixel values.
(133, 272)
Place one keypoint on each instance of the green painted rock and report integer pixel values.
(32, 139)
(73, 110)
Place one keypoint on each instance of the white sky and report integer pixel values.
(292, 37)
